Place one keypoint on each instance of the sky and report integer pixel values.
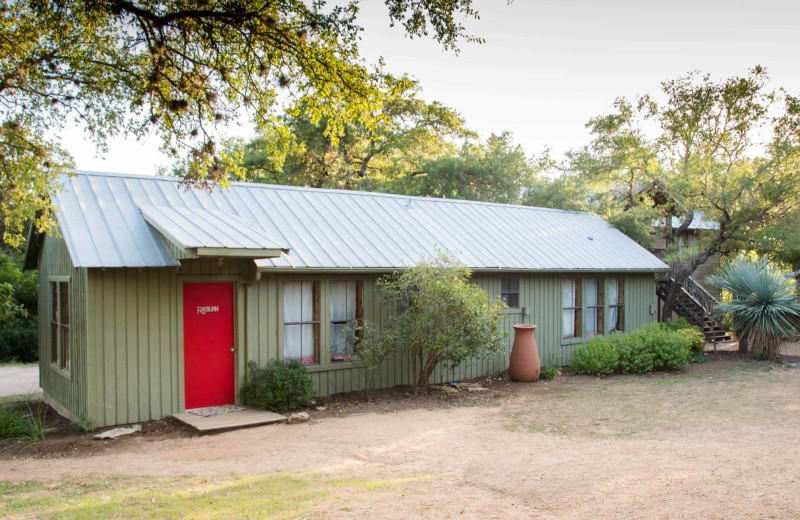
(548, 66)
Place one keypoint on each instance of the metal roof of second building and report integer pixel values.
(101, 220)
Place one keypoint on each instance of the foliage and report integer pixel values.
(297, 150)
(725, 150)
(23, 421)
(181, 71)
(371, 349)
(548, 373)
(279, 387)
(762, 303)
(598, 356)
(648, 348)
(495, 171)
(438, 317)
(18, 309)
(19, 341)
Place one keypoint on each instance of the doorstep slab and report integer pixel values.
(229, 421)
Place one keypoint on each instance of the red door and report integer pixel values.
(208, 355)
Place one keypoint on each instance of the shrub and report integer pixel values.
(278, 387)
(762, 305)
(548, 373)
(679, 324)
(635, 357)
(19, 341)
(598, 356)
(696, 340)
(648, 348)
(26, 421)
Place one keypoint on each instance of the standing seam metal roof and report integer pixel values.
(102, 224)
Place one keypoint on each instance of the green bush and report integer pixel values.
(19, 341)
(679, 324)
(548, 373)
(11, 425)
(598, 356)
(279, 387)
(634, 356)
(696, 339)
(652, 347)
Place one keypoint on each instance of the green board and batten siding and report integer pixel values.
(134, 367)
(70, 387)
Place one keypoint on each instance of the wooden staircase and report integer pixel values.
(696, 305)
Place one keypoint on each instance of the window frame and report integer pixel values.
(506, 292)
(60, 320)
(315, 321)
(358, 319)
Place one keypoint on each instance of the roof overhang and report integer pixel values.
(202, 232)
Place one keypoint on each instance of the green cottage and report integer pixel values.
(154, 298)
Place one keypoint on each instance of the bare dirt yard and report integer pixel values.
(716, 440)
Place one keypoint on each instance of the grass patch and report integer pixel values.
(20, 398)
(4, 364)
(273, 496)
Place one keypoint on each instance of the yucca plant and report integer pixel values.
(763, 304)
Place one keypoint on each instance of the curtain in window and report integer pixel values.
(568, 315)
(613, 301)
(343, 314)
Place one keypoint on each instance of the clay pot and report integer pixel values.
(524, 363)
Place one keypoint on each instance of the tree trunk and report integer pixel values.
(744, 345)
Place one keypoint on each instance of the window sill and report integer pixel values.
(66, 374)
(572, 341)
(332, 366)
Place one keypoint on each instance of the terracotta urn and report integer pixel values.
(524, 363)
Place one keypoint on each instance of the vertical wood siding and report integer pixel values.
(135, 362)
(70, 390)
(128, 363)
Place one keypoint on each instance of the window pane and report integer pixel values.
(65, 348)
(512, 300)
(568, 322)
(292, 342)
(53, 342)
(308, 356)
(292, 303)
(613, 319)
(64, 295)
(568, 293)
(591, 321)
(54, 301)
(591, 292)
(613, 292)
(307, 301)
(343, 301)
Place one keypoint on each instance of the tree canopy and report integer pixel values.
(180, 70)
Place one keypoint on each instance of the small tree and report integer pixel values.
(762, 305)
(370, 350)
(439, 317)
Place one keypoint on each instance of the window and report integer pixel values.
(301, 321)
(571, 313)
(594, 306)
(59, 325)
(616, 305)
(509, 292)
(346, 310)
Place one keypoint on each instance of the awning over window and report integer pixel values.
(203, 232)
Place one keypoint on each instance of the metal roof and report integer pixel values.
(207, 232)
(101, 219)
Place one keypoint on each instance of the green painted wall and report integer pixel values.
(70, 388)
(127, 332)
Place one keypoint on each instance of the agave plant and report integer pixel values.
(763, 304)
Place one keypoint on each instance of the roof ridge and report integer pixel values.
(338, 191)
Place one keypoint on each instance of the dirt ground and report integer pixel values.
(717, 440)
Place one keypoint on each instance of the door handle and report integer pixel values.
(233, 349)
